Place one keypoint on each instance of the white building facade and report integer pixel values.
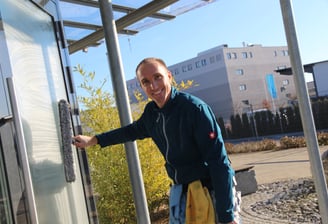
(320, 75)
(235, 80)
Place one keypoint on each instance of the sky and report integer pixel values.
(230, 22)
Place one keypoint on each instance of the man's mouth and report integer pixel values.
(157, 92)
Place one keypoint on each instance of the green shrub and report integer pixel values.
(155, 178)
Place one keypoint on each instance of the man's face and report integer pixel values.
(155, 81)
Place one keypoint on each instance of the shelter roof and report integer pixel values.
(307, 68)
(83, 25)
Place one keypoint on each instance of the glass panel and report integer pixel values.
(11, 178)
(12, 188)
(5, 212)
(88, 13)
(38, 77)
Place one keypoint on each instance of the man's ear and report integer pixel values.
(169, 74)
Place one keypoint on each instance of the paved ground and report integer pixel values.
(269, 167)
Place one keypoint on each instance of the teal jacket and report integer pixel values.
(187, 134)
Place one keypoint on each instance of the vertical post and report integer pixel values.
(122, 102)
(254, 122)
(305, 109)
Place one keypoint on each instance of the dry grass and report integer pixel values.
(285, 142)
(245, 147)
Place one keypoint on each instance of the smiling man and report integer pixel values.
(155, 80)
(185, 130)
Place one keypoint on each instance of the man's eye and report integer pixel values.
(145, 82)
(157, 77)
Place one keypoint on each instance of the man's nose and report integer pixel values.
(153, 85)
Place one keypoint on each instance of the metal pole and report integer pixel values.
(305, 109)
(122, 102)
(254, 122)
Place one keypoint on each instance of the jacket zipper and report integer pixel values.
(167, 148)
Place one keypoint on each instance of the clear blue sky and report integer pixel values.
(229, 22)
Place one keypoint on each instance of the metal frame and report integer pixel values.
(151, 9)
(22, 152)
(134, 15)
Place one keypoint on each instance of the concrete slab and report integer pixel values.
(271, 166)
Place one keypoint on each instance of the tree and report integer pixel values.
(236, 126)
(222, 127)
(247, 128)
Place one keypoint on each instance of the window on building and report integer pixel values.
(189, 67)
(282, 89)
(250, 54)
(197, 63)
(288, 95)
(245, 102)
(212, 59)
(275, 53)
(244, 54)
(233, 55)
(228, 55)
(176, 71)
(239, 71)
(184, 68)
(284, 52)
(242, 87)
(281, 67)
(203, 61)
(285, 82)
(218, 57)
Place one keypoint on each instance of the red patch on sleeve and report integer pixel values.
(212, 135)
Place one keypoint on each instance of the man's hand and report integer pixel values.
(83, 141)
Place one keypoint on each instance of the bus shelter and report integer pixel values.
(34, 53)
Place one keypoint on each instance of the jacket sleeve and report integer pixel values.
(131, 132)
(210, 142)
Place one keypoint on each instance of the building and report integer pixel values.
(319, 71)
(235, 80)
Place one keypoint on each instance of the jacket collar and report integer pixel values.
(170, 103)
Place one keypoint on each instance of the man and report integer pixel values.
(186, 132)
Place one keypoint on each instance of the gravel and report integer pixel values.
(292, 201)
(281, 202)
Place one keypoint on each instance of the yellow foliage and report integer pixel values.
(109, 171)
